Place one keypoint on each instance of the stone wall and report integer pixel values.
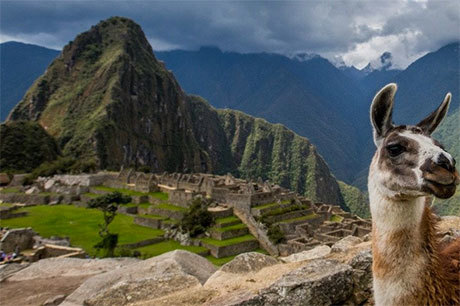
(87, 180)
(17, 239)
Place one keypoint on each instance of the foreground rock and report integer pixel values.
(149, 279)
(47, 280)
(249, 262)
(315, 253)
(321, 282)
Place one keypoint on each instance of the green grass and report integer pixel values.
(158, 195)
(80, 225)
(336, 218)
(166, 246)
(6, 205)
(311, 216)
(168, 206)
(220, 261)
(10, 190)
(91, 195)
(266, 206)
(227, 219)
(120, 190)
(170, 221)
(230, 228)
(144, 205)
(227, 242)
(152, 217)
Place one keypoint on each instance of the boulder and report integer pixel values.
(49, 184)
(148, 279)
(4, 179)
(32, 190)
(68, 267)
(315, 253)
(345, 244)
(320, 282)
(362, 276)
(248, 262)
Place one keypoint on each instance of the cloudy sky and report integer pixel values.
(356, 32)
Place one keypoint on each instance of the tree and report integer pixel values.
(197, 219)
(108, 204)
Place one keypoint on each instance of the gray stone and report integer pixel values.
(315, 253)
(54, 301)
(321, 282)
(362, 276)
(18, 239)
(147, 279)
(345, 244)
(32, 190)
(248, 262)
(49, 184)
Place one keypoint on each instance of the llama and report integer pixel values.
(410, 267)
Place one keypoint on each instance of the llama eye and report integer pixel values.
(395, 150)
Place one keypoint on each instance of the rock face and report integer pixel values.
(248, 262)
(315, 253)
(149, 279)
(322, 282)
(345, 244)
(108, 101)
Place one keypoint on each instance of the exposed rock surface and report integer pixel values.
(248, 262)
(321, 282)
(315, 253)
(152, 278)
(46, 279)
(345, 244)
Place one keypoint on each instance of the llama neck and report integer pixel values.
(398, 242)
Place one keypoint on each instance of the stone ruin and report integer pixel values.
(303, 223)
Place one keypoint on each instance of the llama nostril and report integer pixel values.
(444, 162)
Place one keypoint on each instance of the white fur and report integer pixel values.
(390, 216)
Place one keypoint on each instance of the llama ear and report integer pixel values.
(430, 123)
(382, 111)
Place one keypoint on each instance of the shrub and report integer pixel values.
(197, 219)
(24, 146)
(275, 234)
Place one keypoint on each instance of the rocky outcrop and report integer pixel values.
(315, 253)
(248, 262)
(149, 279)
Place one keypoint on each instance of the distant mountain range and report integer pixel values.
(309, 95)
(329, 105)
(20, 64)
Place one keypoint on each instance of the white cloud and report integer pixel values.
(358, 30)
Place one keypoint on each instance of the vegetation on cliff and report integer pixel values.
(24, 146)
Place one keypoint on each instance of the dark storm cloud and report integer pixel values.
(325, 27)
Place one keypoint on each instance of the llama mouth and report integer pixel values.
(440, 190)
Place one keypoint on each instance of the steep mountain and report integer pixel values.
(305, 95)
(107, 99)
(20, 65)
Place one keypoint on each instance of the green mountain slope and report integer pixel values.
(107, 99)
(448, 134)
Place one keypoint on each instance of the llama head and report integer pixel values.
(408, 162)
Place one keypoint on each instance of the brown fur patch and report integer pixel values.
(441, 277)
